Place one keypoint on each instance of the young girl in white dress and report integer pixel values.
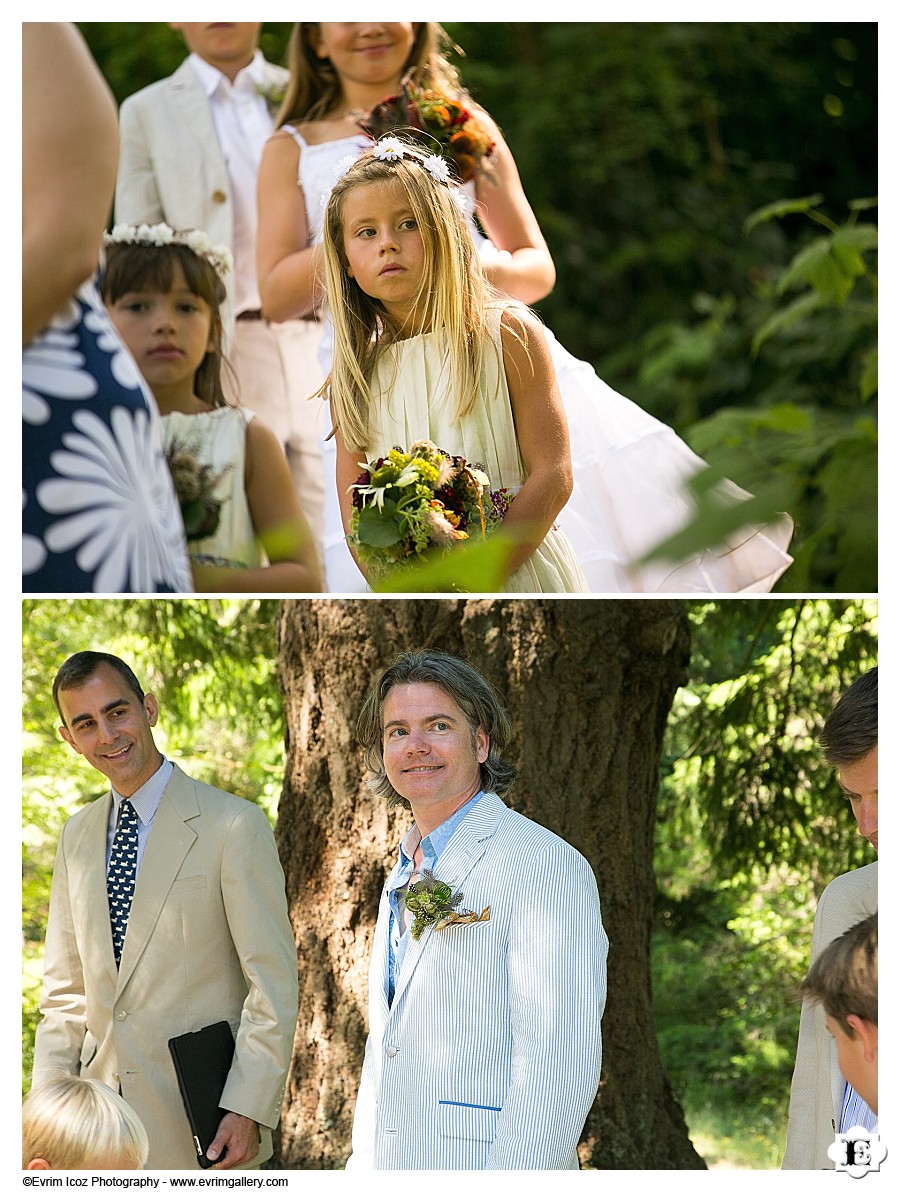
(425, 349)
(629, 469)
(246, 532)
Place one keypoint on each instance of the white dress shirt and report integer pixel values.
(243, 125)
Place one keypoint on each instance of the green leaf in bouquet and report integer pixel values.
(380, 527)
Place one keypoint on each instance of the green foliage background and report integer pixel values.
(750, 824)
(751, 827)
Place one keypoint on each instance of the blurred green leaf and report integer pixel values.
(779, 209)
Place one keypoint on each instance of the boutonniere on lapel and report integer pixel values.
(433, 902)
(272, 93)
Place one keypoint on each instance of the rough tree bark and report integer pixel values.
(589, 684)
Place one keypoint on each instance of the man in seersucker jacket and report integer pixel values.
(488, 972)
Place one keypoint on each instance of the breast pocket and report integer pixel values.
(189, 885)
(459, 1119)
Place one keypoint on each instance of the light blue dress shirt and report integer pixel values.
(145, 800)
(432, 846)
(856, 1112)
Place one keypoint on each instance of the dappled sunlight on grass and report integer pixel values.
(726, 1141)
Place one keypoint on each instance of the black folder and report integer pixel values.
(202, 1061)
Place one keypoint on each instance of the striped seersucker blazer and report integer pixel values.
(489, 1056)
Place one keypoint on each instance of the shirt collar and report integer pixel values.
(437, 840)
(147, 798)
(211, 78)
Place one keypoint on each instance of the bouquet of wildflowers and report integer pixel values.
(409, 503)
(433, 118)
(194, 484)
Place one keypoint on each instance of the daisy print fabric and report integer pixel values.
(99, 509)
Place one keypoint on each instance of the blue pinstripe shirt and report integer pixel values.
(855, 1112)
(432, 846)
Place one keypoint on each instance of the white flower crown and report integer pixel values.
(391, 149)
(159, 235)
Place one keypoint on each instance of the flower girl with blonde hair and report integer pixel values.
(424, 349)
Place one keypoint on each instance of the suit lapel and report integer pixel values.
(168, 844)
(464, 850)
(191, 99)
(379, 968)
(92, 852)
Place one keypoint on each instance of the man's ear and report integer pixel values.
(151, 707)
(68, 738)
(482, 744)
(868, 1032)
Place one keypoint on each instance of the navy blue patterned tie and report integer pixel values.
(121, 874)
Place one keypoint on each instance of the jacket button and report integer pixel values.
(120, 1015)
(219, 196)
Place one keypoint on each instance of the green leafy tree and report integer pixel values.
(751, 827)
(801, 432)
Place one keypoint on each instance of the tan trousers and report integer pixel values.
(277, 369)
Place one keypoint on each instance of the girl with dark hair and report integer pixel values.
(245, 529)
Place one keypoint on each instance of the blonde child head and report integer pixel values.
(73, 1123)
(452, 295)
(143, 258)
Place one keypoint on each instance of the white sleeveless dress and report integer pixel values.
(629, 468)
(412, 400)
(219, 438)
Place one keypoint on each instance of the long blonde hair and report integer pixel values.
(314, 88)
(453, 295)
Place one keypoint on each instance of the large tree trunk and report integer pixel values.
(588, 684)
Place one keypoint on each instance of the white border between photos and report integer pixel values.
(889, 501)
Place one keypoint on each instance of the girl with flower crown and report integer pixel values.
(630, 471)
(246, 532)
(425, 349)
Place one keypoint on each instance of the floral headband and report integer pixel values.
(392, 149)
(160, 235)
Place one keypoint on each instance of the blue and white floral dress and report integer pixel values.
(99, 509)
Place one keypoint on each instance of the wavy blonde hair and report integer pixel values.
(314, 88)
(453, 295)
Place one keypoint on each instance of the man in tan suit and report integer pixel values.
(204, 936)
(822, 1103)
